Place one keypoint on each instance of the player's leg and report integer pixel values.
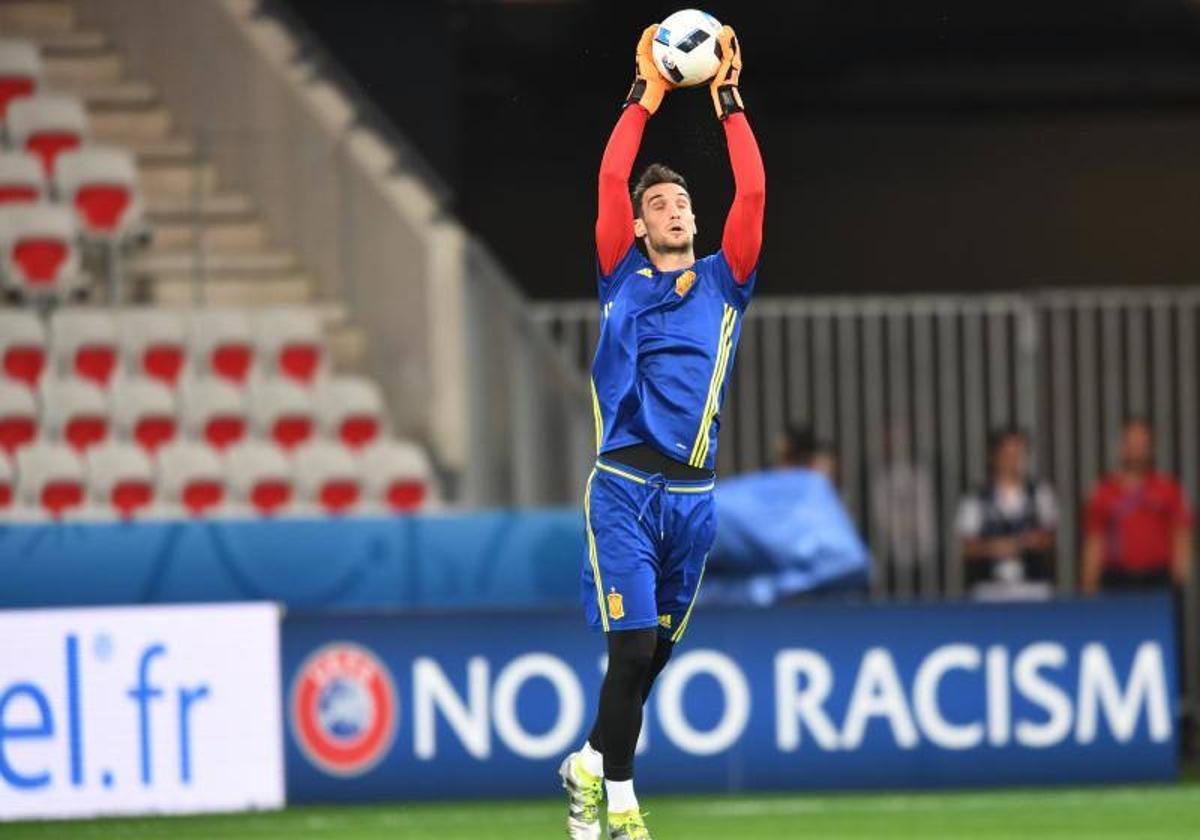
(662, 655)
(618, 588)
(691, 528)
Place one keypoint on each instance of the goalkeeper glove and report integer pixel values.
(724, 86)
(649, 86)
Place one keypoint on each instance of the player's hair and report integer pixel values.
(655, 173)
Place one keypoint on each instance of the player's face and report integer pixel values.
(667, 220)
(1137, 447)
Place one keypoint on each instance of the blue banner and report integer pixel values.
(821, 696)
(434, 560)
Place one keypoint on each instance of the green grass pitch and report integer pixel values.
(1158, 811)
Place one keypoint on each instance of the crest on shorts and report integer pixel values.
(684, 282)
(616, 605)
(664, 620)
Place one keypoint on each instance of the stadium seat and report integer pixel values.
(290, 343)
(101, 184)
(20, 72)
(153, 343)
(121, 477)
(212, 411)
(282, 411)
(39, 254)
(22, 346)
(83, 343)
(260, 477)
(50, 478)
(75, 412)
(350, 409)
(18, 416)
(21, 179)
(47, 125)
(190, 476)
(7, 483)
(327, 477)
(143, 412)
(222, 344)
(396, 475)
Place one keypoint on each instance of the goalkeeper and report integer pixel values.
(669, 327)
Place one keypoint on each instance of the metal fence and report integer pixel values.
(907, 388)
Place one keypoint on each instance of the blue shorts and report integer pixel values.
(647, 541)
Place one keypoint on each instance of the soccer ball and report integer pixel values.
(685, 48)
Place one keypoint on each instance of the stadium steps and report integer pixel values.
(197, 224)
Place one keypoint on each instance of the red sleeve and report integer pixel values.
(743, 226)
(1095, 519)
(614, 218)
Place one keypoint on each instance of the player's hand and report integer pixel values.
(724, 86)
(649, 85)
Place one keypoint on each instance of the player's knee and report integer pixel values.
(631, 652)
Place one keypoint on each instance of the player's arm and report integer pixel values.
(742, 239)
(614, 217)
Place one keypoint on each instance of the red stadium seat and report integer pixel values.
(22, 347)
(50, 477)
(120, 477)
(7, 481)
(397, 476)
(327, 477)
(84, 344)
(18, 417)
(153, 344)
(75, 411)
(20, 72)
(282, 411)
(21, 179)
(46, 126)
(350, 409)
(260, 477)
(101, 184)
(222, 344)
(144, 413)
(190, 476)
(214, 411)
(38, 250)
(290, 343)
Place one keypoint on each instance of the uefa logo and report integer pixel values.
(343, 709)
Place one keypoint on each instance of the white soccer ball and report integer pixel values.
(685, 47)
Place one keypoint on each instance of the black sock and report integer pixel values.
(621, 721)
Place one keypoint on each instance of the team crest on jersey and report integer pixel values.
(684, 282)
(645, 272)
(616, 605)
(343, 709)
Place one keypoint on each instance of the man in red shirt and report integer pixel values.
(1138, 526)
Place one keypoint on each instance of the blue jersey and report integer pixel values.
(666, 349)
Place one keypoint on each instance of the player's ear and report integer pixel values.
(639, 227)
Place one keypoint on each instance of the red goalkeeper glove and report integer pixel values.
(649, 86)
(724, 86)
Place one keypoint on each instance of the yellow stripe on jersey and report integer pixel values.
(724, 345)
(687, 616)
(593, 555)
(597, 417)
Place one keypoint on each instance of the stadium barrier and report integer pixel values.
(823, 696)
(138, 710)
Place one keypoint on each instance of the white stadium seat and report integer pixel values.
(120, 476)
(101, 183)
(397, 475)
(22, 346)
(222, 344)
(21, 179)
(153, 343)
(213, 411)
(144, 413)
(290, 343)
(20, 71)
(18, 416)
(47, 125)
(39, 252)
(75, 412)
(190, 476)
(281, 411)
(260, 477)
(83, 343)
(8, 481)
(50, 479)
(327, 477)
(350, 409)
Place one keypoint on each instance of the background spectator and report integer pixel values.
(1138, 525)
(1006, 527)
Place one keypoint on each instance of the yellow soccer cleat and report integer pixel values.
(627, 825)
(585, 796)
